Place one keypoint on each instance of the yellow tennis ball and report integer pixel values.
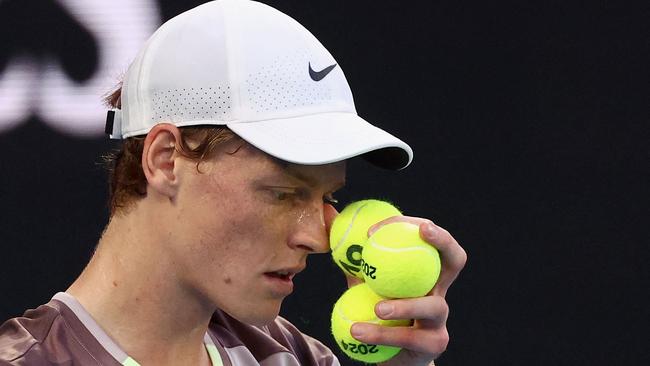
(397, 263)
(349, 231)
(357, 304)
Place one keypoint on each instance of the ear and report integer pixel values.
(159, 159)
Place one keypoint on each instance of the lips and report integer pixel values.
(281, 280)
(286, 273)
(283, 275)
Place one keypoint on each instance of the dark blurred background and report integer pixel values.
(530, 124)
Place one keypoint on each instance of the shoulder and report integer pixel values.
(50, 335)
(20, 337)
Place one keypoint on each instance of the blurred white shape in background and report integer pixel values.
(120, 27)
(17, 84)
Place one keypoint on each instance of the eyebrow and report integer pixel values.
(286, 167)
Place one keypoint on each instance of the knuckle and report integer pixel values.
(442, 341)
(444, 306)
(445, 238)
(412, 339)
(462, 258)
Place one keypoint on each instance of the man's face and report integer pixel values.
(246, 225)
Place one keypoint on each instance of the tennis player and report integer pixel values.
(236, 125)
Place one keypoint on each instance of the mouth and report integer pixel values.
(281, 275)
(281, 281)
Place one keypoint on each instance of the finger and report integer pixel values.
(329, 214)
(453, 257)
(432, 309)
(394, 219)
(425, 340)
(353, 281)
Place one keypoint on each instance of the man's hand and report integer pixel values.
(427, 338)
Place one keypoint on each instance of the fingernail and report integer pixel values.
(384, 309)
(357, 331)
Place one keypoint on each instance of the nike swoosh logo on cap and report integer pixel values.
(319, 75)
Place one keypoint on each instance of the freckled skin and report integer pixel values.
(201, 240)
(233, 226)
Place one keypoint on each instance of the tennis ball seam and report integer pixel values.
(349, 228)
(376, 320)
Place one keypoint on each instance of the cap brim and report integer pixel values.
(325, 138)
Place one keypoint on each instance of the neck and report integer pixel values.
(131, 289)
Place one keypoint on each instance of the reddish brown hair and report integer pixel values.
(126, 180)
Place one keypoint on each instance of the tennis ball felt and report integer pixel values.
(349, 231)
(357, 304)
(397, 263)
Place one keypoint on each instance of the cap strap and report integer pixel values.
(114, 124)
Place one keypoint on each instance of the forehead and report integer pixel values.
(326, 174)
(315, 175)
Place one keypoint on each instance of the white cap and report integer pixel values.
(248, 66)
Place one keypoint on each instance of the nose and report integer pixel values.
(312, 229)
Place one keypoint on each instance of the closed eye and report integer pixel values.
(282, 193)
